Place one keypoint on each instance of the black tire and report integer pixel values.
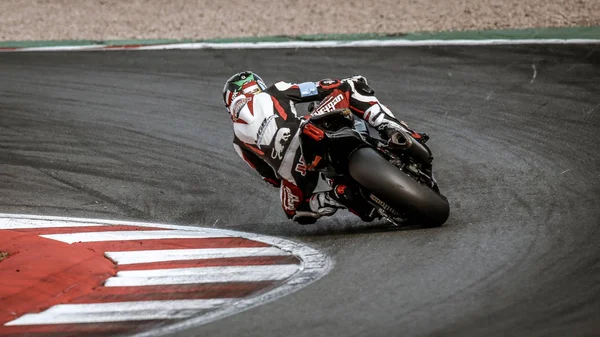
(397, 189)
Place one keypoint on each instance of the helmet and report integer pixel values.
(245, 82)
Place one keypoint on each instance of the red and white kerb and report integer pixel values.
(69, 276)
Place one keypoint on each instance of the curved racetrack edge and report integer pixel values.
(515, 134)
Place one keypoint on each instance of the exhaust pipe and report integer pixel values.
(403, 141)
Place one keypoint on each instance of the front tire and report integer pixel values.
(397, 189)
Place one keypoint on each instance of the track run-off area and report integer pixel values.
(142, 136)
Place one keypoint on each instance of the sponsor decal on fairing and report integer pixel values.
(329, 104)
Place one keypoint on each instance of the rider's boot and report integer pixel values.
(350, 198)
(390, 130)
(323, 204)
(422, 137)
(381, 118)
(320, 204)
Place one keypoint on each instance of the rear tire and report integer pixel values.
(397, 189)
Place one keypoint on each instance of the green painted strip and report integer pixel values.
(511, 34)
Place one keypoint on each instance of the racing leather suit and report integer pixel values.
(266, 135)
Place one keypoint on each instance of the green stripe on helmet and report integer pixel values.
(247, 79)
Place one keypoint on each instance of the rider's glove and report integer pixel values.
(273, 182)
(356, 78)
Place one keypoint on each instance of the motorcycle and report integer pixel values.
(394, 179)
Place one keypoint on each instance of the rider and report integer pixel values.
(266, 129)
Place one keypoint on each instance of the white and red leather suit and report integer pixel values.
(266, 130)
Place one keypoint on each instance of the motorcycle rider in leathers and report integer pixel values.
(266, 135)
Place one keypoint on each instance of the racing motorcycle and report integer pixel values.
(394, 179)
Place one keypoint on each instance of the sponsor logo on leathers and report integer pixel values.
(328, 82)
(238, 106)
(281, 138)
(301, 166)
(288, 199)
(329, 104)
(261, 129)
(233, 95)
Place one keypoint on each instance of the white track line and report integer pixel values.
(65, 48)
(137, 278)
(119, 312)
(28, 223)
(132, 235)
(313, 44)
(364, 43)
(148, 256)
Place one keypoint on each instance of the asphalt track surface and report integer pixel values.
(516, 134)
